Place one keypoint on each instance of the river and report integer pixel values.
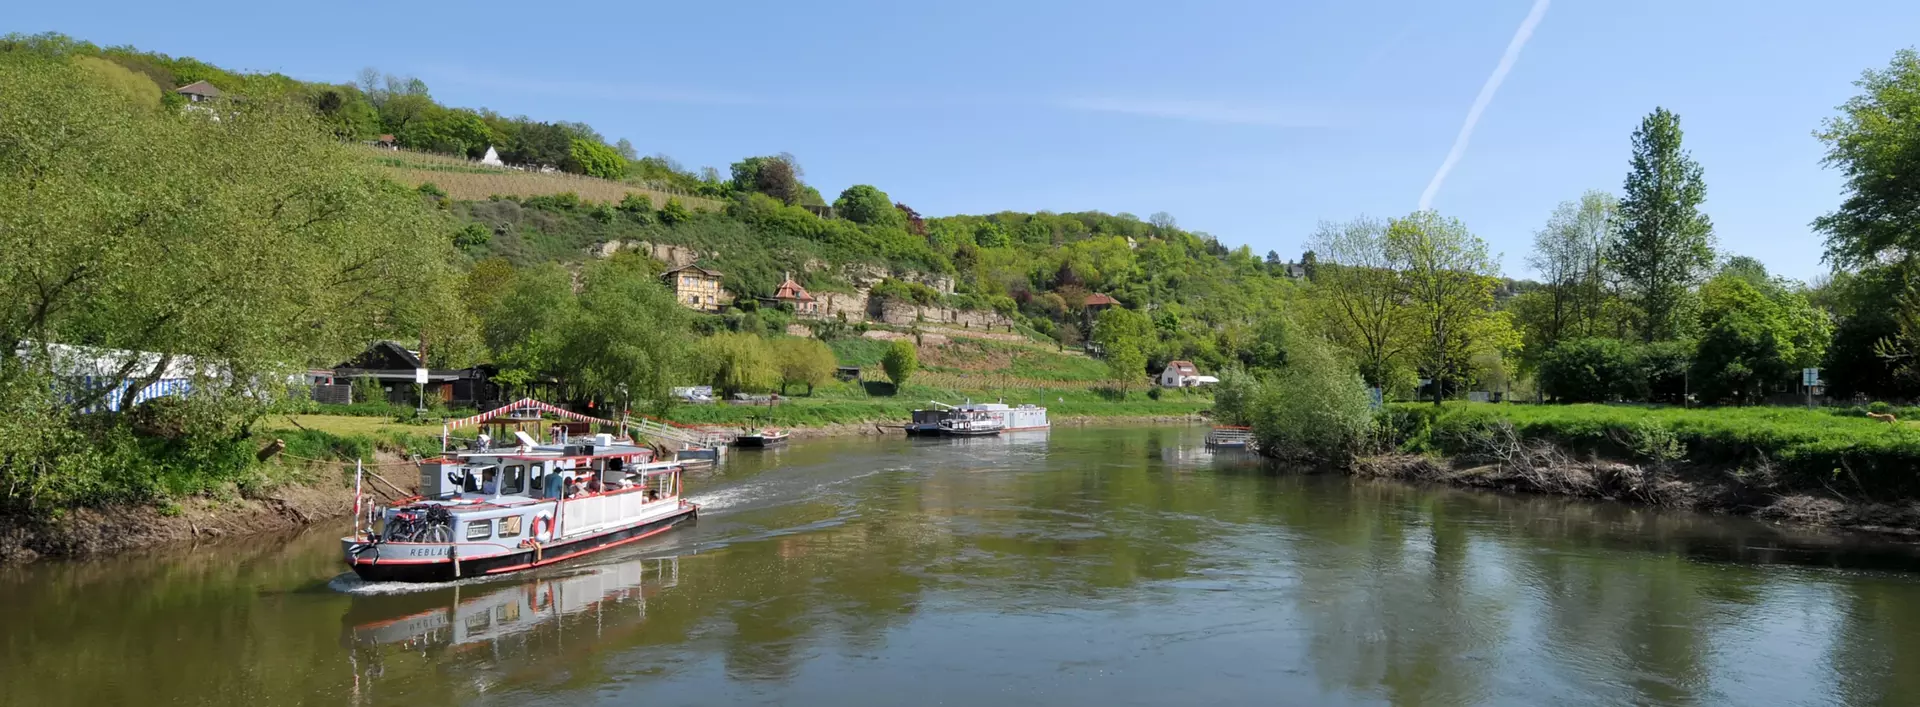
(1095, 566)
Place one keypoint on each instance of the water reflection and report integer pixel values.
(1076, 567)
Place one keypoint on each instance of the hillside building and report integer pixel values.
(695, 287)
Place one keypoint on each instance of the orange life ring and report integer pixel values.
(542, 524)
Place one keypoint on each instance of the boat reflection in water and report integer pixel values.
(501, 623)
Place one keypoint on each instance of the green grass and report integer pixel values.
(844, 403)
(860, 352)
(1811, 449)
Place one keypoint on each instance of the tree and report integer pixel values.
(628, 336)
(539, 145)
(1570, 254)
(1751, 339)
(1665, 245)
(594, 160)
(241, 243)
(1448, 288)
(776, 176)
(1358, 295)
(1593, 370)
(1310, 263)
(863, 204)
(737, 362)
(990, 235)
(136, 89)
(1163, 223)
(1875, 143)
(1124, 337)
(900, 362)
(914, 224)
(803, 361)
(625, 148)
(525, 325)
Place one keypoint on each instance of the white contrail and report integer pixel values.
(1520, 37)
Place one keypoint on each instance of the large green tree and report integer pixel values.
(867, 205)
(1446, 285)
(900, 362)
(1875, 143)
(1752, 339)
(1665, 245)
(1358, 297)
(628, 339)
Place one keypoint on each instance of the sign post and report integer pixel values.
(1809, 377)
(420, 381)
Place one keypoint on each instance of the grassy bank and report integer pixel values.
(842, 403)
(1788, 449)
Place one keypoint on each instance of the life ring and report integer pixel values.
(542, 525)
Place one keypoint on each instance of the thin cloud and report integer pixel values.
(1199, 111)
(603, 90)
(1480, 102)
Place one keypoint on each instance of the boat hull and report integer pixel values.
(759, 442)
(369, 568)
(973, 433)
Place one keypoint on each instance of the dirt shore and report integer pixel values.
(314, 493)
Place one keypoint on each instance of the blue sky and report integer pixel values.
(1252, 121)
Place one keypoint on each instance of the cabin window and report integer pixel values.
(510, 527)
(479, 529)
(515, 480)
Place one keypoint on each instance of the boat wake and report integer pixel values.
(350, 583)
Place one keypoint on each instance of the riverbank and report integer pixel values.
(1823, 468)
(305, 493)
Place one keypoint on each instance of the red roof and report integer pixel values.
(199, 88)
(1183, 367)
(791, 290)
(1097, 299)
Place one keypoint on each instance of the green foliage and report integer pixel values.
(1571, 256)
(1316, 409)
(737, 363)
(594, 159)
(674, 213)
(863, 204)
(904, 291)
(1593, 370)
(637, 205)
(1874, 143)
(1124, 336)
(1665, 244)
(777, 176)
(1447, 283)
(900, 362)
(628, 338)
(1750, 341)
(138, 90)
(801, 361)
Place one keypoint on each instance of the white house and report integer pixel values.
(1182, 374)
(492, 158)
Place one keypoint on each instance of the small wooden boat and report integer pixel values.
(1230, 437)
(760, 439)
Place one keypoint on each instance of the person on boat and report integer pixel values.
(489, 484)
(593, 484)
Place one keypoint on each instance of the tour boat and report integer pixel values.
(760, 438)
(497, 510)
(1230, 437)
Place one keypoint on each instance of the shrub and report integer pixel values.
(1592, 370)
(674, 212)
(900, 362)
(432, 190)
(472, 235)
(1316, 409)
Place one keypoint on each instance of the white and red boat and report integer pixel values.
(497, 510)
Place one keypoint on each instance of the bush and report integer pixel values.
(1315, 410)
(1592, 370)
(900, 362)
